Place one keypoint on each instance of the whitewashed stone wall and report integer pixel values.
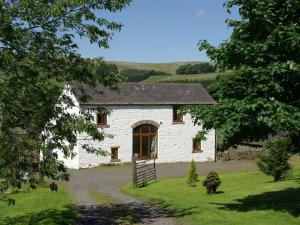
(175, 141)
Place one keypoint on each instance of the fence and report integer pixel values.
(143, 172)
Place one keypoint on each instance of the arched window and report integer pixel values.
(145, 141)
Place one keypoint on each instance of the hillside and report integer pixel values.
(165, 67)
(181, 78)
(205, 79)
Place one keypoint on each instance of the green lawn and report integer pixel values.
(246, 198)
(40, 206)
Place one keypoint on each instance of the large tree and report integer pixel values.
(38, 56)
(262, 94)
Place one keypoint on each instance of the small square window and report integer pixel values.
(196, 145)
(101, 119)
(177, 115)
(114, 153)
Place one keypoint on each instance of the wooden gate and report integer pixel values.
(143, 172)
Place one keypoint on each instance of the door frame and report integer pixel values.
(140, 135)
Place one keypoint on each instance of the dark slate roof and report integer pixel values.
(145, 94)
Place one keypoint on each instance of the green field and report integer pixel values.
(182, 78)
(165, 67)
(246, 198)
(40, 206)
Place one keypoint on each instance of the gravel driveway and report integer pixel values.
(108, 181)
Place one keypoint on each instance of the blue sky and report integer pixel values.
(163, 31)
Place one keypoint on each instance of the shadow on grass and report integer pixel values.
(131, 213)
(65, 216)
(287, 200)
(104, 214)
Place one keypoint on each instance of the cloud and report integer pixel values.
(200, 12)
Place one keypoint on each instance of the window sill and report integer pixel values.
(115, 160)
(197, 151)
(102, 126)
(178, 122)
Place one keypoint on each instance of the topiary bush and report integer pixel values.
(275, 161)
(212, 182)
(193, 176)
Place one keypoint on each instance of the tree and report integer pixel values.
(275, 161)
(262, 94)
(38, 56)
(136, 75)
(193, 176)
(196, 68)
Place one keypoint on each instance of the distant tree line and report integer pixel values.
(136, 75)
(196, 68)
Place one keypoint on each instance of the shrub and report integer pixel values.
(212, 182)
(33, 182)
(193, 176)
(275, 161)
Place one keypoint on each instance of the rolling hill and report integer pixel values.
(165, 67)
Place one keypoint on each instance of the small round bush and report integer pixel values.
(212, 182)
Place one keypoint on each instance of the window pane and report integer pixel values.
(136, 146)
(196, 144)
(136, 130)
(101, 119)
(153, 129)
(114, 153)
(145, 128)
(177, 116)
(145, 147)
(153, 146)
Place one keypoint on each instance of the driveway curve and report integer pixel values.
(108, 180)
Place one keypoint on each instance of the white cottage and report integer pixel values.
(144, 121)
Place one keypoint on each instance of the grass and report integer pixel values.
(182, 78)
(40, 206)
(165, 67)
(244, 198)
(155, 79)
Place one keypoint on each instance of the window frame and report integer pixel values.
(177, 117)
(198, 145)
(139, 133)
(103, 119)
(112, 157)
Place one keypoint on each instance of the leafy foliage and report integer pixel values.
(275, 161)
(196, 68)
(38, 56)
(193, 176)
(136, 75)
(262, 95)
(212, 182)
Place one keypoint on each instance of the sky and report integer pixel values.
(163, 31)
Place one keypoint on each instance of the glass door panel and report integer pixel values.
(145, 147)
(136, 146)
(152, 146)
